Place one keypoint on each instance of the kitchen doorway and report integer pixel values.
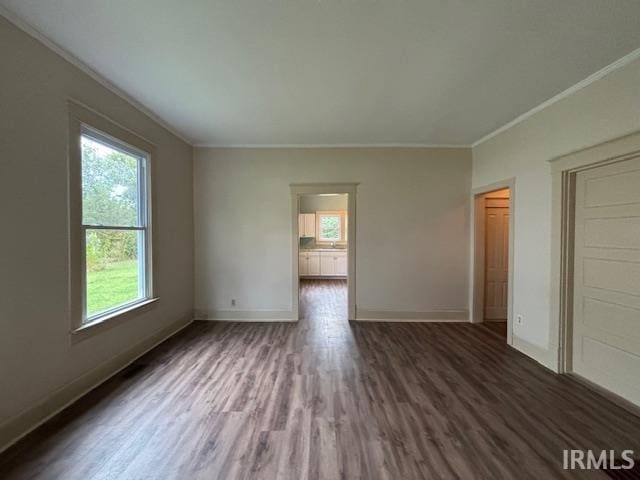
(322, 259)
(324, 252)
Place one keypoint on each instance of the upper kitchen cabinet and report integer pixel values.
(307, 225)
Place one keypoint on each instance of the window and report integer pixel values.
(115, 232)
(332, 226)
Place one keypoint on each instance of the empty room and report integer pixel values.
(248, 239)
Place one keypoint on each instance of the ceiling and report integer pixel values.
(338, 72)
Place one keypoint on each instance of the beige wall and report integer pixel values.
(606, 109)
(316, 203)
(39, 366)
(412, 227)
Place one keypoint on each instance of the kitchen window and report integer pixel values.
(332, 226)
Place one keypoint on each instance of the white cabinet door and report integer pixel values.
(333, 264)
(303, 264)
(341, 264)
(327, 264)
(306, 225)
(310, 225)
(314, 264)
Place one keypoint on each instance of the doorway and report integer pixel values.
(492, 258)
(323, 254)
(496, 266)
(596, 242)
(323, 219)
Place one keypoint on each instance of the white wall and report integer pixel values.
(608, 108)
(40, 369)
(412, 227)
(318, 203)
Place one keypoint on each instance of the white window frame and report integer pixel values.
(86, 122)
(343, 226)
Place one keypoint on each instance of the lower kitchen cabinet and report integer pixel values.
(323, 264)
(309, 264)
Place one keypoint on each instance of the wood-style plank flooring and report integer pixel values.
(499, 328)
(326, 399)
(323, 300)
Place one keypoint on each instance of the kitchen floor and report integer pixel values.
(323, 299)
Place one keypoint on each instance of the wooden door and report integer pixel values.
(606, 280)
(496, 258)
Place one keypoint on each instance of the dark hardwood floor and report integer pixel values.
(323, 300)
(498, 328)
(326, 399)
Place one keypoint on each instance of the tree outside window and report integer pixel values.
(330, 228)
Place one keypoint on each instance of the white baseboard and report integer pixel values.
(28, 420)
(364, 315)
(244, 315)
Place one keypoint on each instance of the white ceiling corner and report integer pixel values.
(332, 73)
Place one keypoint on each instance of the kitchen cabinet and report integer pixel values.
(327, 265)
(314, 264)
(323, 263)
(306, 225)
(309, 263)
(341, 264)
(333, 263)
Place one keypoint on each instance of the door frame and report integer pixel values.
(300, 189)
(564, 170)
(476, 294)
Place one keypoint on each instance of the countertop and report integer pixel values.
(306, 250)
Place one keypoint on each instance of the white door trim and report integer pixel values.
(476, 293)
(299, 189)
(564, 170)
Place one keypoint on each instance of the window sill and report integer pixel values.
(109, 321)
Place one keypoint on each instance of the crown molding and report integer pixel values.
(329, 145)
(76, 62)
(594, 77)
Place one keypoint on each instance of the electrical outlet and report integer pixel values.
(233, 302)
(519, 319)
